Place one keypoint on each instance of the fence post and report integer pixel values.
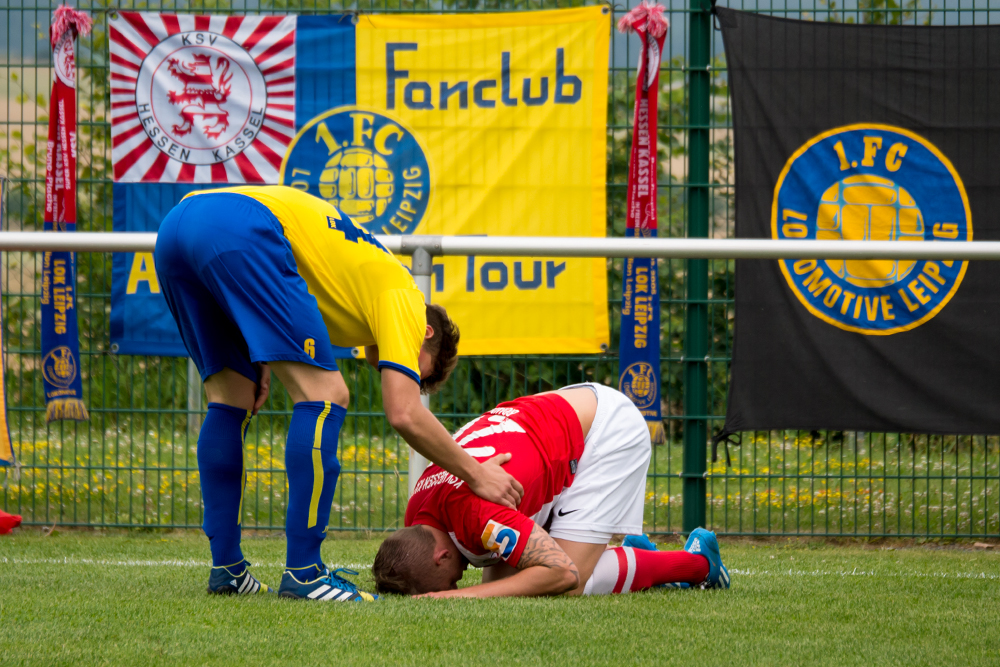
(696, 325)
(420, 266)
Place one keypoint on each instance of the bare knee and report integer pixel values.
(311, 383)
(585, 556)
(340, 395)
(231, 388)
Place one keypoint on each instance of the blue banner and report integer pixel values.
(141, 323)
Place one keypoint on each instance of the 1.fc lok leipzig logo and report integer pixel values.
(872, 183)
(204, 99)
(638, 382)
(367, 164)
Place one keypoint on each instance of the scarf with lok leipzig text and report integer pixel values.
(60, 340)
(639, 346)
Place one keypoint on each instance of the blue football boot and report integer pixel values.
(677, 584)
(639, 542)
(327, 587)
(224, 582)
(643, 542)
(703, 543)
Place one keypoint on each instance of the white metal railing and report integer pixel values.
(423, 248)
(555, 246)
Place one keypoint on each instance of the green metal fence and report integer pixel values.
(134, 463)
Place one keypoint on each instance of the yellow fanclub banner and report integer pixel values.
(6, 450)
(510, 112)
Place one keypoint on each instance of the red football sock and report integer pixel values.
(624, 569)
(8, 522)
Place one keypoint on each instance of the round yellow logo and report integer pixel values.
(367, 164)
(639, 383)
(871, 183)
(59, 367)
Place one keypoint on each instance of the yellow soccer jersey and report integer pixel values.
(365, 295)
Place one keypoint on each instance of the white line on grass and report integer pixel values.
(861, 573)
(67, 560)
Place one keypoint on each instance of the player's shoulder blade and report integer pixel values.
(324, 222)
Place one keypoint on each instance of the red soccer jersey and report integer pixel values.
(543, 435)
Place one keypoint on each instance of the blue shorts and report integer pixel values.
(231, 282)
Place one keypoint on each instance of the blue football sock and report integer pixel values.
(220, 464)
(312, 467)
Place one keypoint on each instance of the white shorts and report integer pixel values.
(607, 495)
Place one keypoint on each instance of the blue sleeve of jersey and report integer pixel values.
(409, 372)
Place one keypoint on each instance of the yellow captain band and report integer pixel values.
(317, 457)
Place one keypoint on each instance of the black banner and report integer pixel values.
(861, 132)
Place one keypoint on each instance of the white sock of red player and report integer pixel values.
(624, 570)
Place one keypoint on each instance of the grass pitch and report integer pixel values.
(138, 599)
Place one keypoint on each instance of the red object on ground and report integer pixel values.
(8, 522)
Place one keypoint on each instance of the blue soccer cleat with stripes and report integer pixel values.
(676, 584)
(224, 582)
(328, 587)
(703, 543)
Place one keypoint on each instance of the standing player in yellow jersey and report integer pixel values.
(263, 278)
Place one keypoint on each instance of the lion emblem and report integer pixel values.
(206, 89)
(202, 100)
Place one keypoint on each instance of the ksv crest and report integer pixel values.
(204, 99)
(871, 183)
(205, 96)
(367, 164)
(64, 59)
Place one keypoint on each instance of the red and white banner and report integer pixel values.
(201, 99)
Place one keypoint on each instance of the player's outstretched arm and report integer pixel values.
(421, 429)
(544, 569)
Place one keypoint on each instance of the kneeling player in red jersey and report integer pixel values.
(581, 454)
